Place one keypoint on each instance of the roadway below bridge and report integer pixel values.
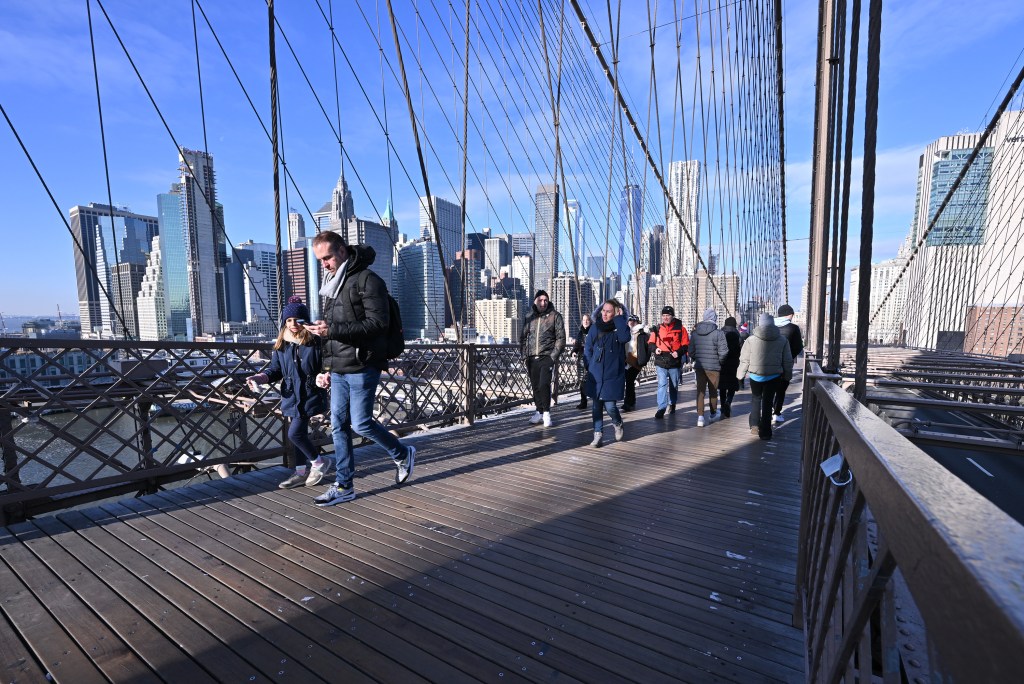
(982, 453)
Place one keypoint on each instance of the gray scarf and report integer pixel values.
(334, 281)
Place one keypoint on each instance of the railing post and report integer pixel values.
(469, 367)
(145, 436)
(9, 450)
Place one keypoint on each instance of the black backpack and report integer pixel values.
(396, 333)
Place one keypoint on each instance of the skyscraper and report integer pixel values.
(498, 253)
(684, 189)
(296, 228)
(630, 220)
(651, 250)
(204, 238)
(259, 261)
(174, 262)
(522, 243)
(574, 220)
(545, 236)
(152, 303)
(420, 291)
(449, 225)
(342, 207)
(108, 236)
(382, 238)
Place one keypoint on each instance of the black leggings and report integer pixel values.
(298, 435)
(540, 380)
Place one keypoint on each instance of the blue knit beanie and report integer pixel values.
(295, 309)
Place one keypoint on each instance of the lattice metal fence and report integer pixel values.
(82, 420)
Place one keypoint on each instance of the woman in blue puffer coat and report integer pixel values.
(605, 351)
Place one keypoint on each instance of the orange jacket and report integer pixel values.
(669, 338)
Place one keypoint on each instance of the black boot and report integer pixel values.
(583, 404)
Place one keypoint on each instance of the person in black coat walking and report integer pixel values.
(791, 331)
(295, 361)
(606, 355)
(728, 383)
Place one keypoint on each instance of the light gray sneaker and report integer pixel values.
(296, 480)
(596, 442)
(405, 466)
(618, 432)
(335, 495)
(316, 473)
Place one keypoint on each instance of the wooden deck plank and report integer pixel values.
(515, 552)
(17, 665)
(71, 642)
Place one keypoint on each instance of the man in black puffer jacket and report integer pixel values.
(354, 352)
(542, 342)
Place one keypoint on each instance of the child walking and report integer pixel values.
(295, 361)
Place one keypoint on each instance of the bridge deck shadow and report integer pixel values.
(515, 553)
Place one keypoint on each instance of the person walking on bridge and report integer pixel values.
(728, 383)
(606, 357)
(708, 348)
(542, 341)
(637, 355)
(791, 331)
(355, 353)
(581, 360)
(767, 360)
(670, 341)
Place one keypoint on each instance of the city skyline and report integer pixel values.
(137, 173)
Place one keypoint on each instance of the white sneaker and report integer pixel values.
(779, 418)
(618, 432)
(546, 418)
(316, 473)
(700, 421)
(596, 442)
(536, 418)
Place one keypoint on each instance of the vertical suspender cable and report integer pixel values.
(463, 271)
(780, 94)
(273, 143)
(419, 154)
(867, 211)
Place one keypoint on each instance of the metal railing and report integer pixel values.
(905, 573)
(82, 420)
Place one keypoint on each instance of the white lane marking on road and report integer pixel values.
(979, 467)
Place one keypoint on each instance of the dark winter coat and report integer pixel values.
(791, 332)
(766, 352)
(357, 319)
(581, 339)
(669, 338)
(543, 333)
(606, 360)
(728, 380)
(296, 366)
(708, 347)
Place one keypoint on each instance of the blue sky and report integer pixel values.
(943, 66)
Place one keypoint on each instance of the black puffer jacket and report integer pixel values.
(357, 319)
(543, 333)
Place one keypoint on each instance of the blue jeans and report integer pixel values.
(597, 413)
(352, 397)
(668, 386)
(298, 435)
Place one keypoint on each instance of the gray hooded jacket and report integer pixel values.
(708, 346)
(766, 352)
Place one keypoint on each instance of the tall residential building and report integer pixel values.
(262, 299)
(630, 224)
(296, 275)
(522, 270)
(152, 303)
(522, 243)
(545, 236)
(420, 290)
(577, 228)
(595, 267)
(497, 253)
(943, 275)
(887, 326)
(322, 218)
(382, 238)
(449, 225)
(107, 236)
(204, 240)
(500, 318)
(691, 295)
(650, 249)
(572, 301)
(466, 289)
(684, 190)
(126, 281)
(296, 228)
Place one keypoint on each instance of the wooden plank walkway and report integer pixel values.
(514, 554)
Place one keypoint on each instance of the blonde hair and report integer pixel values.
(304, 337)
